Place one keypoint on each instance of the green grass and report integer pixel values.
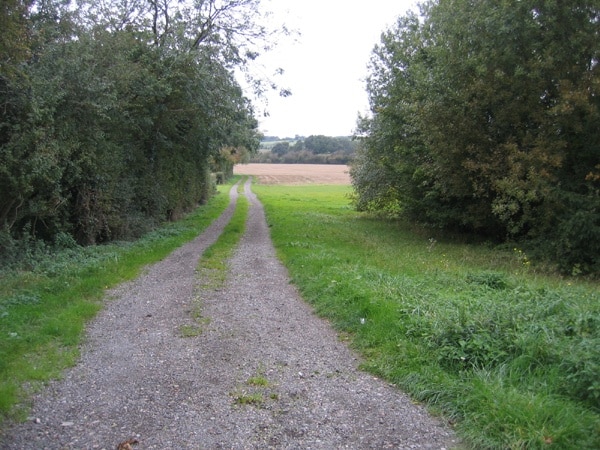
(258, 380)
(255, 392)
(187, 330)
(214, 262)
(508, 354)
(243, 398)
(43, 312)
(213, 266)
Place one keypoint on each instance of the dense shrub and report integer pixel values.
(107, 130)
(484, 119)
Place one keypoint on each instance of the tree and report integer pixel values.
(483, 118)
(281, 148)
(14, 42)
(392, 170)
(322, 144)
(31, 161)
(121, 116)
(14, 49)
(235, 32)
(498, 88)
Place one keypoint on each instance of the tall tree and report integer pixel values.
(392, 170)
(126, 104)
(485, 118)
(14, 39)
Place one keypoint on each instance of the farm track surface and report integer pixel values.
(265, 372)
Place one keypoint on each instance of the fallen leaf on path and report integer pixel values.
(127, 445)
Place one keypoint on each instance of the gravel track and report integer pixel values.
(266, 372)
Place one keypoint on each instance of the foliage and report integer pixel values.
(228, 157)
(483, 119)
(325, 144)
(13, 36)
(506, 353)
(115, 113)
(311, 150)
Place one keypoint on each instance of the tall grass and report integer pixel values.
(508, 354)
(43, 311)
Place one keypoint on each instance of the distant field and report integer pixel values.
(296, 173)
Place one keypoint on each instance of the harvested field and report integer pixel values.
(295, 173)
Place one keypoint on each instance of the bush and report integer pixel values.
(20, 252)
(582, 368)
(577, 243)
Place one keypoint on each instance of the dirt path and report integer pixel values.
(265, 373)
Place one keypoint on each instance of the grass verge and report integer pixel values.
(43, 311)
(508, 355)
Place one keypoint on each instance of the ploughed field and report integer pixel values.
(295, 173)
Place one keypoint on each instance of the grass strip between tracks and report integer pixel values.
(213, 264)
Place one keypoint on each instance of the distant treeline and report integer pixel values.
(315, 149)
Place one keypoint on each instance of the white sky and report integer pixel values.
(326, 68)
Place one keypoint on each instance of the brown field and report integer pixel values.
(295, 173)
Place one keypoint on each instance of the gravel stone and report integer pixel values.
(264, 372)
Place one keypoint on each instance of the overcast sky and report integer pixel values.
(326, 68)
